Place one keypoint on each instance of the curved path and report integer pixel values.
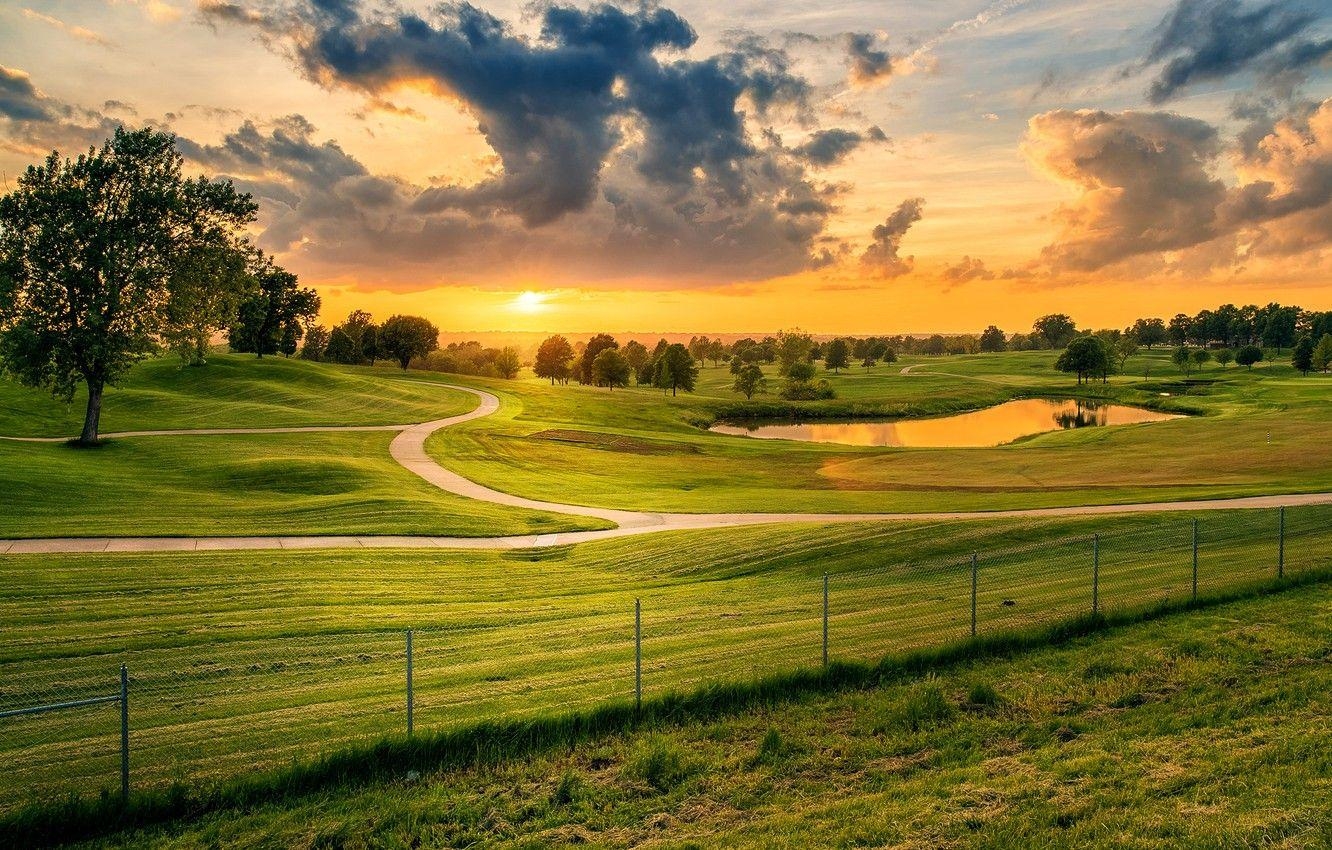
(408, 449)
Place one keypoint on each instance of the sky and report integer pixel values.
(850, 166)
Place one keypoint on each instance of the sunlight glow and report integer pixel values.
(530, 302)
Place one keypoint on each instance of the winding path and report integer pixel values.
(408, 449)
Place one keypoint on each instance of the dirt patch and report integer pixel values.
(614, 442)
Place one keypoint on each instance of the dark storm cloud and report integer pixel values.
(1211, 39)
(883, 255)
(829, 147)
(868, 64)
(19, 99)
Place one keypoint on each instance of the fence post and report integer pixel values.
(1096, 575)
(1281, 542)
(410, 695)
(1195, 560)
(974, 572)
(638, 655)
(825, 619)
(124, 734)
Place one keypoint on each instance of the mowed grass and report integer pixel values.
(1256, 432)
(246, 661)
(1202, 730)
(236, 391)
(339, 483)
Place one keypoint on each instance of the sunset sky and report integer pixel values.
(852, 166)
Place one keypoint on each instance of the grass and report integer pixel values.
(1204, 729)
(1258, 432)
(248, 661)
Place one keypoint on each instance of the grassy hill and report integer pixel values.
(1201, 730)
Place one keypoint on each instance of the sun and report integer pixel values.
(530, 302)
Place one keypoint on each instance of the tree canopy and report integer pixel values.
(553, 359)
(1088, 357)
(405, 337)
(675, 369)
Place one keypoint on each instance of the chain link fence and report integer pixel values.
(202, 708)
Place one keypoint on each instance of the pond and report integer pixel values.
(992, 426)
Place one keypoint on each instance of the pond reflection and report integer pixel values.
(992, 426)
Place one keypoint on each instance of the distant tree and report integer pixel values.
(595, 346)
(837, 356)
(508, 363)
(370, 343)
(1056, 329)
(88, 249)
(1279, 327)
(802, 372)
(717, 352)
(1248, 355)
(1148, 332)
(792, 347)
(1201, 356)
(316, 341)
(993, 340)
(1322, 353)
(405, 337)
(749, 380)
(205, 292)
(1183, 359)
(1088, 357)
(698, 347)
(639, 360)
(675, 369)
(888, 356)
(1224, 356)
(1302, 357)
(340, 347)
(272, 320)
(935, 345)
(553, 359)
(349, 339)
(1180, 329)
(1124, 348)
(611, 369)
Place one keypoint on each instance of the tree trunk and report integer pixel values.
(94, 414)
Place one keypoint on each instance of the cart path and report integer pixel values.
(408, 449)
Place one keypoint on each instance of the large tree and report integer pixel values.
(749, 380)
(838, 355)
(553, 359)
(1056, 329)
(1148, 332)
(206, 290)
(675, 369)
(1303, 356)
(595, 346)
(1088, 356)
(992, 340)
(405, 337)
(273, 320)
(88, 248)
(611, 369)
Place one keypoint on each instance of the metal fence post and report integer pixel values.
(638, 655)
(1195, 560)
(1096, 574)
(1281, 542)
(825, 619)
(410, 695)
(124, 734)
(974, 575)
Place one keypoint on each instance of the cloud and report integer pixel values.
(1142, 177)
(967, 269)
(829, 147)
(19, 98)
(921, 59)
(867, 65)
(76, 32)
(158, 11)
(1213, 39)
(882, 255)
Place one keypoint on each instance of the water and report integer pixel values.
(992, 426)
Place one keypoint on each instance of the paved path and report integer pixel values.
(408, 449)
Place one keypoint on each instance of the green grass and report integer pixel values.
(1257, 432)
(1204, 729)
(244, 661)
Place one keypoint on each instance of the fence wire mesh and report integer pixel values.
(206, 707)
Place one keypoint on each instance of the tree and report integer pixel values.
(1183, 359)
(508, 363)
(1201, 356)
(88, 248)
(1302, 357)
(1088, 356)
(1124, 348)
(1248, 355)
(675, 369)
(749, 380)
(348, 340)
(370, 343)
(595, 346)
(1279, 326)
(611, 369)
(837, 356)
(340, 347)
(792, 347)
(639, 360)
(717, 351)
(316, 342)
(405, 337)
(1322, 353)
(553, 359)
(1180, 329)
(1148, 332)
(888, 356)
(273, 319)
(1224, 356)
(205, 292)
(1056, 329)
(992, 340)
